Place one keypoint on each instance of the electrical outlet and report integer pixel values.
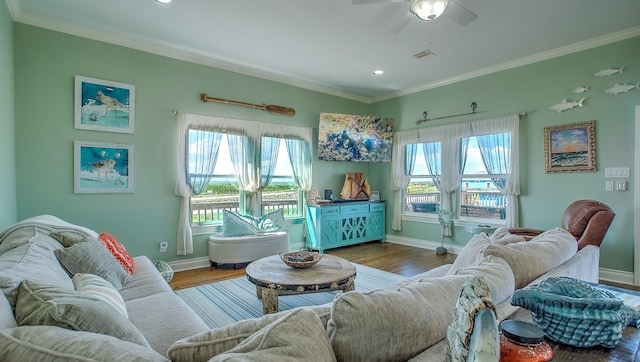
(608, 186)
(621, 185)
(163, 247)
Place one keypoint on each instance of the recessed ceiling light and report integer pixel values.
(163, 1)
(378, 72)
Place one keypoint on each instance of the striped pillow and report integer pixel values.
(93, 285)
(118, 251)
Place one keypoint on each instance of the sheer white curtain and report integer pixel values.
(253, 131)
(501, 157)
(452, 150)
(300, 159)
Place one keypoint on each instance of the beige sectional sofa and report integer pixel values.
(47, 318)
(405, 321)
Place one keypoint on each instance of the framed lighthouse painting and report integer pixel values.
(103, 105)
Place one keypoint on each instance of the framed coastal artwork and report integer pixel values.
(570, 147)
(103, 105)
(354, 138)
(102, 167)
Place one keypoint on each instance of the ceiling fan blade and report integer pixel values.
(364, 2)
(459, 14)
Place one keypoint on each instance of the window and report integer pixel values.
(222, 191)
(422, 194)
(282, 192)
(473, 165)
(480, 198)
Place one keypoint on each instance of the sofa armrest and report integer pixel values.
(526, 233)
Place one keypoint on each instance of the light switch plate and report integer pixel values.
(621, 185)
(616, 172)
(608, 185)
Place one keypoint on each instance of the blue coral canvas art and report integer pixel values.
(103, 105)
(353, 138)
(103, 167)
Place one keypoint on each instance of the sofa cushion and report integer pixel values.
(118, 251)
(530, 259)
(95, 286)
(496, 273)
(146, 280)
(393, 325)
(49, 344)
(473, 251)
(204, 345)
(34, 260)
(92, 257)
(6, 313)
(297, 336)
(40, 304)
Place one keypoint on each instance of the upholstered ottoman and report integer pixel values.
(241, 250)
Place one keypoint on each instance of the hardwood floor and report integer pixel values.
(394, 258)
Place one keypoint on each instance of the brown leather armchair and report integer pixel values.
(587, 220)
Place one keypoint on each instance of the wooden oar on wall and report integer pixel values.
(285, 111)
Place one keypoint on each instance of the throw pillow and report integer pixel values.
(92, 257)
(496, 273)
(298, 336)
(393, 325)
(273, 221)
(530, 259)
(40, 304)
(65, 240)
(93, 285)
(202, 346)
(118, 251)
(470, 253)
(48, 343)
(234, 224)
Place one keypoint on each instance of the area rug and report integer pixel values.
(222, 303)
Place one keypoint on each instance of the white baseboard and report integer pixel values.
(188, 264)
(616, 276)
(424, 244)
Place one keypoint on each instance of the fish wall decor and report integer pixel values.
(608, 72)
(565, 105)
(621, 88)
(579, 90)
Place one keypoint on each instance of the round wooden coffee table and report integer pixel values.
(273, 277)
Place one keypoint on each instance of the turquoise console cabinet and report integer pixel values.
(335, 225)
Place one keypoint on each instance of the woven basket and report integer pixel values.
(300, 264)
(575, 313)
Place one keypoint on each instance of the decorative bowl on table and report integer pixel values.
(301, 259)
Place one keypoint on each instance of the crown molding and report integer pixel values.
(554, 53)
(212, 60)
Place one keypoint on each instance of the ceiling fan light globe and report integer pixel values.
(429, 9)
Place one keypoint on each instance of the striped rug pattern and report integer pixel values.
(222, 303)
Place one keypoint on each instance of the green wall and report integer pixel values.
(532, 89)
(46, 62)
(7, 122)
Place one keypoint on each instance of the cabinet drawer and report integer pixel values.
(354, 208)
(376, 207)
(330, 211)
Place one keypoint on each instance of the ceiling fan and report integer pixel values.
(426, 10)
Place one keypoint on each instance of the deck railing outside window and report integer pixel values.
(207, 209)
(477, 204)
